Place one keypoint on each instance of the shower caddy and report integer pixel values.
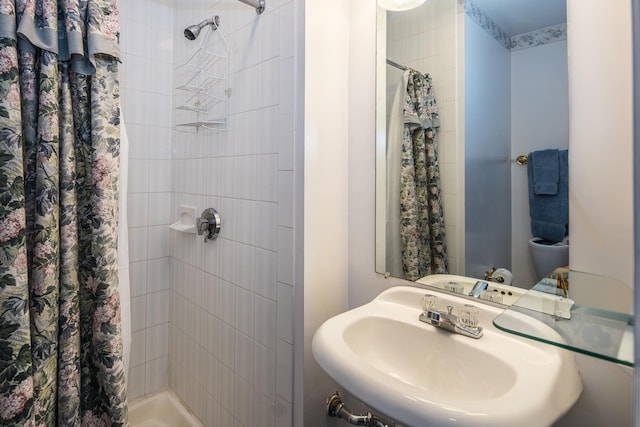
(202, 85)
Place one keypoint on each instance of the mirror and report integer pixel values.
(478, 72)
(510, 99)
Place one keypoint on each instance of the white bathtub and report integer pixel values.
(163, 409)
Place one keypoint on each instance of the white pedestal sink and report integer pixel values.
(420, 375)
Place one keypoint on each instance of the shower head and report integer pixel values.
(193, 31)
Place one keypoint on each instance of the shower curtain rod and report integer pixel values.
(395, 64)
(258, 4)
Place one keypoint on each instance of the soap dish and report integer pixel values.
(183, 228)
(187, 223)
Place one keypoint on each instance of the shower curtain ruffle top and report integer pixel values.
(74, 30)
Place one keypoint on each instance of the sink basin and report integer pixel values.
(420, 375)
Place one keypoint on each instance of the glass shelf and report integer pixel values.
(592, 327)
(592, 331)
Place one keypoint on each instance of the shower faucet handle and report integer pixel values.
(209, 224)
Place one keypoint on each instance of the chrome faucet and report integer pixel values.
(466, 324)
(477, 289)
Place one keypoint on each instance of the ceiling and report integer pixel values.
(521, 16)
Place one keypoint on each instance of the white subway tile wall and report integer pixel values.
(212, 321)
(146, 91)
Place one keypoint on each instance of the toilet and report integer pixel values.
(547, 255)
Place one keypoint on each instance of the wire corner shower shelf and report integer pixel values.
(202, 85)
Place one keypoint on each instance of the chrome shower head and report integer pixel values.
(193, 31)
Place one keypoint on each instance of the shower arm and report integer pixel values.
(258, 4)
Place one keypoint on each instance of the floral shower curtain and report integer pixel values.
(60, 344)
(421, 216)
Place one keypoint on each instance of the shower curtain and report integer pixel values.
(421, 214)
(60, 343)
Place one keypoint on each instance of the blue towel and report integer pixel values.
(547, 230)
(550, 213)
(546, 172)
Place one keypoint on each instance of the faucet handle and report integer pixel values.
(209, 224)
(430, 303)
(469, 315)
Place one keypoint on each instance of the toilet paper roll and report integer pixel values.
(502, 275)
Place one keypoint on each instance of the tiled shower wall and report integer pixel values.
(212, 321)
(230, 326)
(146, 89)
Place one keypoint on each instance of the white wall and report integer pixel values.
(326, 144)
(601, 126)
(146, 90)
(487, 105)
(600, 179)
(539, 120)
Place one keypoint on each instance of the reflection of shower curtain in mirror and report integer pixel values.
(395, 124)
(422, 228)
